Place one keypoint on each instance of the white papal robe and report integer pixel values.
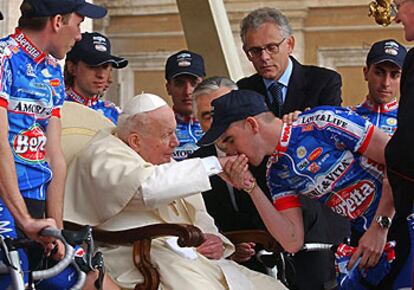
(111, 187)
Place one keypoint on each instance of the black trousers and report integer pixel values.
(37, 209)
(403, 193)
(316, 270)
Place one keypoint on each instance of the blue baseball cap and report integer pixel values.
(232, 107)
(42, 8)
(184, 62)
(387, 50)
(95, 50)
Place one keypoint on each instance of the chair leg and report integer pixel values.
(142, 261)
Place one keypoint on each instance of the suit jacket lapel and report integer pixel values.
(295, 93)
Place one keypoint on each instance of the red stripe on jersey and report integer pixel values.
(287, 202)
(56, 113)
(28, 46)
(3, 103)
(368, 138)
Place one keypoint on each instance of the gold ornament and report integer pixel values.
(383, 11)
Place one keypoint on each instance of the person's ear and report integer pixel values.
(56, 22)
(134, 141)
(71, 67)
(251, 122)
(365, 70)
(291, 43)
(167, 87)
(245, 51)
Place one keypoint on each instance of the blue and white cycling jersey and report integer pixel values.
(107, 108)
(320, 156)
(32, 91)
(188, 133)
(383, 116)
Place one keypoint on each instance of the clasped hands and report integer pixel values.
(236, 172)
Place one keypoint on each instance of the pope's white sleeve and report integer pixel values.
(175, 180)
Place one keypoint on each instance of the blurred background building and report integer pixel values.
(330, 33)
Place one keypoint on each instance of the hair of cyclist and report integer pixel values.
(35, 23)
(67, 74)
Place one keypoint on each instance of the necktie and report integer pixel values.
(277, 102)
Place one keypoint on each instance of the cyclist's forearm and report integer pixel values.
(54, 155)
(55, 194)
(386, 203)
(9, 189)
(286, 227)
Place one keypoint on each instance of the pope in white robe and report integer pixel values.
(124, 178)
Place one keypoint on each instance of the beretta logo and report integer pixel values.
(29, 145)
(354, 200)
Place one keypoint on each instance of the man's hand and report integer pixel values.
(370, 247)
(291, 117)
(60, 252)
(212, 247)
(244, 251)
(238, 172)
(32, 228)
(223, 161)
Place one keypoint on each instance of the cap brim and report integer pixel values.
(117, 62)
(92, 11)
(186, 73)
(392, 60)
(1, 16)
(100, 59)
(212, 135)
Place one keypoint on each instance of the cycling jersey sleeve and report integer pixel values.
(5, 78)
(341, 127)
(283, 195)
(286, 200)
(59, 96)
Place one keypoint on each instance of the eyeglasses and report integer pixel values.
(271, 48)
(395, 7)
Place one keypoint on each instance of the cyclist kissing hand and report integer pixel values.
(239, 173)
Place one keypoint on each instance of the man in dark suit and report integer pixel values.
(288, 86)
(268, 43)
(399, 152)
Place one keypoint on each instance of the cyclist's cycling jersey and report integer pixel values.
(108, 109)
(320, 156)
(383, 116)
(32, 91)
(188, 133)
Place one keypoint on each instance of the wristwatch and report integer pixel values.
(384, 222)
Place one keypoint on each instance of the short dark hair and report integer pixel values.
(67, 76)
(35, 23)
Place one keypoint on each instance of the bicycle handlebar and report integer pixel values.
(59, 267)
